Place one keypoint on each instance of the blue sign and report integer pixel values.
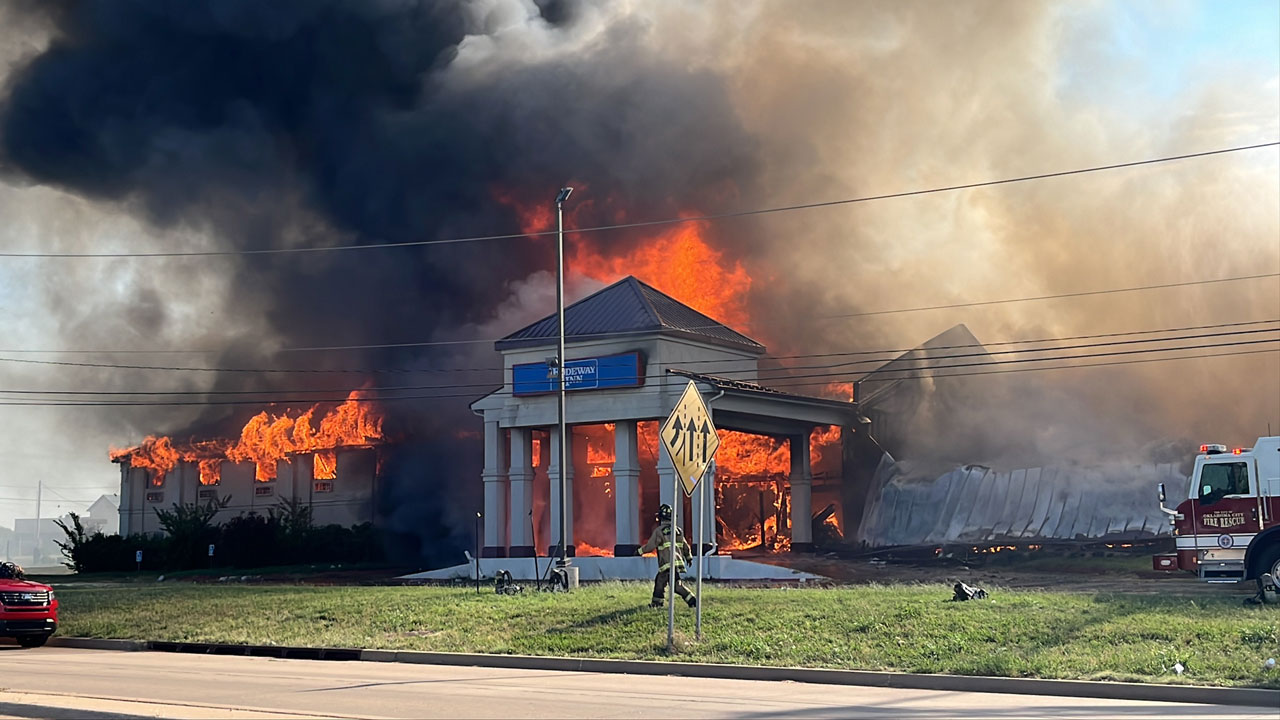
(602, 373)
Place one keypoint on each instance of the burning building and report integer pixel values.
(369, 137)
(327, 461)
(631, 350)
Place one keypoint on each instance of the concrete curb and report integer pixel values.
(1248, 697)
(98, 644)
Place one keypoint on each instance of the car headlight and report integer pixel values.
(52, 597)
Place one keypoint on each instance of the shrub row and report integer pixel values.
(284, 536)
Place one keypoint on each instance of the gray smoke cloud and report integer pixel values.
(859, 100)
(152, 125)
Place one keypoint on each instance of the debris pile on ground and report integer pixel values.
(968, 592)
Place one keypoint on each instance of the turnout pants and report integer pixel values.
(660, 587)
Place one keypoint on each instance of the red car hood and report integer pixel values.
(21, 586)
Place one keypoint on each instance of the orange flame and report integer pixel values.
(680, 263)
(838, 391)
(156, 454)
(754, 469)
(325, 465)
(678, 259)
(600, 448)
(585, 549)
(210, 471)
(265, 439)
(744, 454)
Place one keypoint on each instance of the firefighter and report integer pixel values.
(660, 540)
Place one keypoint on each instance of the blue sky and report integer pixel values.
(1154, 51)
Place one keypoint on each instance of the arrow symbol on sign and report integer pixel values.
(702, 436)
(677, 434)
(688, 446)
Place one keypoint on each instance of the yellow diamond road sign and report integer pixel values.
(690, 438)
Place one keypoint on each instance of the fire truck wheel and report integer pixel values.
(1269, 564)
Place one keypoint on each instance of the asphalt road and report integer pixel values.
(72, 683)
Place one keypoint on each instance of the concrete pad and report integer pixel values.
(715, 567)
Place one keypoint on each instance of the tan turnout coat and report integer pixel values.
(659, 540)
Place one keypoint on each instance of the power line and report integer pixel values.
(655, 223)
(1060, 367)
(656, 375)
(64, 497)
(64, 487)
(998, 343)
(32, 499)
(580, 336)
(1086, 356)
(1052, 297)
(830, 377)
(487, 340)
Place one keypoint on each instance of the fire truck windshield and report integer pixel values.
(1217, 480)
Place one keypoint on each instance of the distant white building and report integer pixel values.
(103, 516)
(36, 543)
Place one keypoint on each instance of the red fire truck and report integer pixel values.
(1227, 521)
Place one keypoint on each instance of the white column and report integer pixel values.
(495, 491)
(521, 479)
(626, 488)
(553, 476)
(801, 495)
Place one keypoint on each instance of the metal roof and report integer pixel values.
(629, 307)
(743, 386)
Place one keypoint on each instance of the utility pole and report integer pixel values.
(35, 550)
(560, 376)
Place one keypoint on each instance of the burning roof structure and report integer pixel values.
(281, 455)
(266, 440)
(631, 350)
(934, 482)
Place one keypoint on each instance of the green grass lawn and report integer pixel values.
(902, 628)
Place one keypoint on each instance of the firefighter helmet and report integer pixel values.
(664, 513)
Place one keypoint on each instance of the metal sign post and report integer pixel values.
(561, 364)
(702, 513)
(691, 442)
(671, 569)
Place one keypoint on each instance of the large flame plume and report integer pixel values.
(682, 262)
(266, 439)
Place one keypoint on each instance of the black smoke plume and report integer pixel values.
(305, 123)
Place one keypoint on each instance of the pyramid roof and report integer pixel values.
(629, 307)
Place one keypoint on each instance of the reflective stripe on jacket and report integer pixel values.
(660, 540)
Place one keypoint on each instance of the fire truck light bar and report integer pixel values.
(1213, 449)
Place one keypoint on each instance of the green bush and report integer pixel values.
(284, 536)
(96, 552)
(189, 530)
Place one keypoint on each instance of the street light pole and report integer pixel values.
(560, 362)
